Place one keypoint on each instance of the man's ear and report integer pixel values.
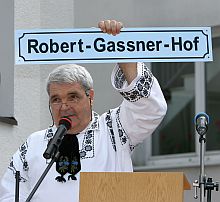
(91, 95)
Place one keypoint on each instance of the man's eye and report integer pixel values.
(55, 100)
(73, 98)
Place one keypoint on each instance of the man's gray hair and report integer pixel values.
(70, 73)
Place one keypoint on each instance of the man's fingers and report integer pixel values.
(101, 25)
(110, 26)
(113, 24)
(119, 27)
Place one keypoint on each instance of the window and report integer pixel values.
(213, 98)
(189, 88)
(176, 133)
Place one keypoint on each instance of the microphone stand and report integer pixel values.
(17, 180)
(54, 159)
(202, 183)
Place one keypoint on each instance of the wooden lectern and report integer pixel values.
(132, 187)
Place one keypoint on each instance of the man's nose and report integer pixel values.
(64, 105)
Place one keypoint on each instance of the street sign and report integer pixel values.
(179, 44)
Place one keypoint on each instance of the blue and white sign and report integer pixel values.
(186, 44)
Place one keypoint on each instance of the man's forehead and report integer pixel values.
(65, 87)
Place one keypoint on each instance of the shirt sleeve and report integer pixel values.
(7, 185)
(143, 106)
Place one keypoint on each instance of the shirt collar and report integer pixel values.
(93, 125)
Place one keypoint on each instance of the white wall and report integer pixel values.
(30, 98)
(26, 100)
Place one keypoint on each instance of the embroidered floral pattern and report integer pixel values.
(95, 123)
(110, 128)
(122, 134)
(142, 87)
(87, 150)
(132, 147)
(23, 150)
(119, 79)
(49, 133)
(13, 169)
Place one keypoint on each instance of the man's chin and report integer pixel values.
(74, 130)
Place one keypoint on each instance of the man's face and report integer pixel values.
(70, 100)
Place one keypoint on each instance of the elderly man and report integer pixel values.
(93, 143)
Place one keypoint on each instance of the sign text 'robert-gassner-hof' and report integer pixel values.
(186, 44)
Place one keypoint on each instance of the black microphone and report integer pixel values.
(64, 125)
(201, 121)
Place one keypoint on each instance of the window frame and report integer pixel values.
(186, 159)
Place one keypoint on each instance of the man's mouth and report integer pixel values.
(69, 115)
(72, 116)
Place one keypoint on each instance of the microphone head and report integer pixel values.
(66, 121)
(201, 121)
(201, 114)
